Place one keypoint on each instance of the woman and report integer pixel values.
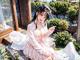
(37, 43)
(37, 47)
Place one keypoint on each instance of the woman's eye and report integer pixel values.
(42, 15)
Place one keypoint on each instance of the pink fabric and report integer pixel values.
(38, 47)
(35, 47)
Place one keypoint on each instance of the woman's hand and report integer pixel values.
(51, 29)
(48, 57)
(47, 54)
(49, 32)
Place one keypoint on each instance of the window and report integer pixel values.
(5, 14)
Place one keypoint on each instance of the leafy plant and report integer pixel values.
(35, 5)
(61, 7)
(4, 55)
(73, 13)
(59, 23)
(77, 46)
(62, 38)
(64, 25)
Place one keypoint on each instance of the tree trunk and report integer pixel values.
(28, 9)
(25, 11)
(14, 15)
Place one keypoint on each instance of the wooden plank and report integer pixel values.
(5, 32)
(20, 30)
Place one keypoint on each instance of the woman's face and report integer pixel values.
(41, 17)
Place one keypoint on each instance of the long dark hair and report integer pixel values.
(41, 9)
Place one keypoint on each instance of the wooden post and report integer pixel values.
(14, 14)
(28, 9)
(25, 12)
(78, 30)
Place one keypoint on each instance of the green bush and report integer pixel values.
(53, 22)
(73, 13)
(60, 24)
(63, 25)
(4, 55)
(35, 5)
(61, 7)
(62, 38)
(77, 46)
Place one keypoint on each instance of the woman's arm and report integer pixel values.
(49, 32)
(33, 41)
